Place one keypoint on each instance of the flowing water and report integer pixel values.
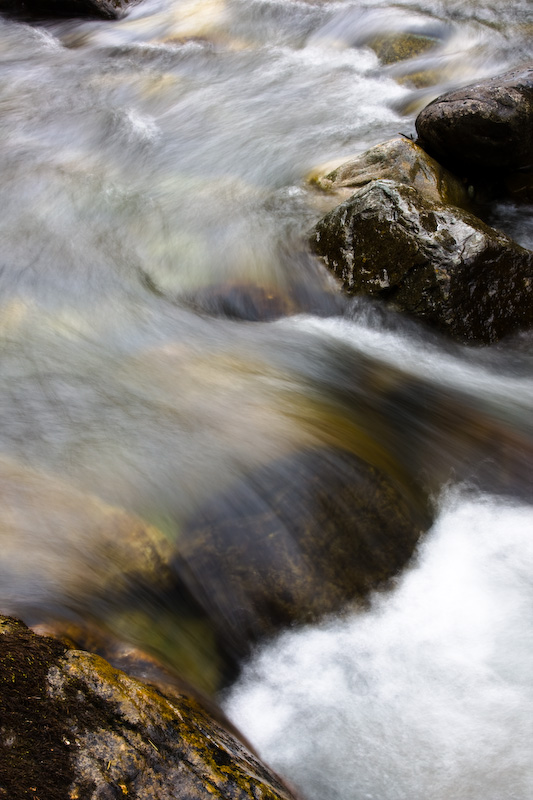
(154, 207)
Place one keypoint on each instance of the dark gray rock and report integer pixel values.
(486, 125)
(436, 262)
(74, 727)
(300, 538)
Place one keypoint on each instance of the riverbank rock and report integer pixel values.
(398, 159)
(484, 126)
(436, 262)
(73, 727)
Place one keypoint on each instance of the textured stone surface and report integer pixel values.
(436, 262)
(486, 125)
(74, 728)
(398, 159)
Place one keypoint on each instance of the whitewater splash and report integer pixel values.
(428, 694)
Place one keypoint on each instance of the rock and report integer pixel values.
(253, 303)
(485, 126)
(400, 46)
(74, 727)
(67, 556)
(398, 159)
(300, 539)
(107, 9)
(438, 263)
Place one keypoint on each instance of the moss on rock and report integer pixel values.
(393, 47)
(74, 728)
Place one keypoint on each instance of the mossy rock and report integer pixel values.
(436, 262)
(74, 728)
(398, 159)
(299, 539)
(393, 47)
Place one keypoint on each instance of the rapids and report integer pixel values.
(152, 185)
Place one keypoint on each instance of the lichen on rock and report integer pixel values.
(74, 728)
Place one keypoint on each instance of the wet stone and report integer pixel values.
(484, 126)
(299, 539)
(74, 727)
(399, 159)
(50, 9)
(436, 262)
(393, 47)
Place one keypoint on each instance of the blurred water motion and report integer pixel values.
(428, 694)
(200, 440)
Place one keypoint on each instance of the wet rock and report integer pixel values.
(398, 159)
(438, 263)
(254, 303)
(299, 539)
(107, 9)
(71, 726)
(66, 555)
(485, 126)
(399, 46)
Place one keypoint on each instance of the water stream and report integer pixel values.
(153, 206)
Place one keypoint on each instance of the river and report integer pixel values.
(154, 205)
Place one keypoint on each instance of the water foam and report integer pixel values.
(427, 695)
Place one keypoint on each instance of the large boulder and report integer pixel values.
(438, 263)
(301, 538)
(399, 159)
(74, 727)
(485, 126)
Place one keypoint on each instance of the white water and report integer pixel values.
(429, 694)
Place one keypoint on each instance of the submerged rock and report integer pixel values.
(438, 263)
(254, 303)
(73, 727)
(485, 126)
(398, 159)
(68, 556)
(400, 46)
(301, 538)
